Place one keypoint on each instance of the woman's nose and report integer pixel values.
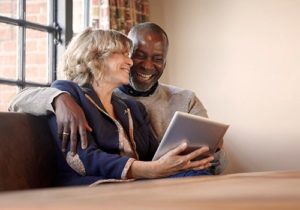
(129, 61)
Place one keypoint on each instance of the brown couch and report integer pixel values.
(27, 156)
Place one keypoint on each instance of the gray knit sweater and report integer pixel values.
(164, 102)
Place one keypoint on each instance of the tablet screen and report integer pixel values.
(195, 130)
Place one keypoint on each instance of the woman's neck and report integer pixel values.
(104, 92)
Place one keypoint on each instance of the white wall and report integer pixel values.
(242, 58)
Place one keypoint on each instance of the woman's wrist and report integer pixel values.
(143, 169)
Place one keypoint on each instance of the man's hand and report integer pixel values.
(220, 145)
(70, 119)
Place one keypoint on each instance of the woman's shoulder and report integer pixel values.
(64, 84)
(69, 86)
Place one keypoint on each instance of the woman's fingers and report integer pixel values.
(196, 163)
(202, 151)
(177, 150)
(201, 164)
(173, 162)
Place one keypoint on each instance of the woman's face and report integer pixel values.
(118, 68)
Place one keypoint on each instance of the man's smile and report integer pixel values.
(144, 77)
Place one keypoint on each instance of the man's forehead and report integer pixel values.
(149, 34)
(151, 38)
(150, 42)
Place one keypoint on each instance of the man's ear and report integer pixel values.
(165, 64)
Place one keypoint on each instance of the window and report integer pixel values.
(28, 45)
(34, 33)
(80, 14)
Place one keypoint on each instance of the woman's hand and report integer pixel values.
(171, 163)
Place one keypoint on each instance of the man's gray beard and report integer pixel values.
(131, 83)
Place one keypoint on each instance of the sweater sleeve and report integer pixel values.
(220, 161)
(96, 162)
(196, 107)
(36, 101)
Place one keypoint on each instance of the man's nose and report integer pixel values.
(148, 64)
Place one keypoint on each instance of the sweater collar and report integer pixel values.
(127, 89)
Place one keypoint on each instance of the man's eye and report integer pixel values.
(158, 59)
(138, 56)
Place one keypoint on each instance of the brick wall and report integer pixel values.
(36, 50)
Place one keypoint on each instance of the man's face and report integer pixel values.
(149, 59)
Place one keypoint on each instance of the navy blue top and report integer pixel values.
(102, 159)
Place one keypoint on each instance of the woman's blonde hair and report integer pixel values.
(83, 60)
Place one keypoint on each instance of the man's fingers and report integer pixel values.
(73, 138)
(83, 137)
(70, 116)
(87, 127)
(73, 145)
(60, 130)
(65, 139)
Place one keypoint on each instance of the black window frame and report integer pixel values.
(54, 32)
(60, 32)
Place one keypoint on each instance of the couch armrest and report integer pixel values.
(27, 154)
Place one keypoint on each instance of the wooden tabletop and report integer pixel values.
(260, 190)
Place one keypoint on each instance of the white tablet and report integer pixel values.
(195, 130)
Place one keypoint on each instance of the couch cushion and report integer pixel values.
(27, 155)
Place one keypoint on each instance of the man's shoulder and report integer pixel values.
(174, 90)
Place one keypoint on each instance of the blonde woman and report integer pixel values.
(121, 143)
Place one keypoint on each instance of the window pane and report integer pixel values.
(100, 14)
(6, 94)
(8, 8)
(37, 11)
(60, 74)
(78, 15)
(36, 56)
(8, 51)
